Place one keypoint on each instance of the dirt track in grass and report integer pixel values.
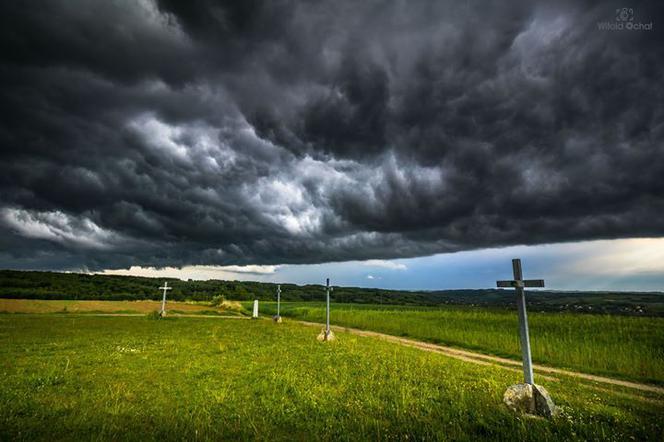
(483, 359)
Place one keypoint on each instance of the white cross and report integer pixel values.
(518, 283)
(165, 288)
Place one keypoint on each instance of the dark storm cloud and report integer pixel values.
(175, 133)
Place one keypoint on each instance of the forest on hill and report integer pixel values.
(55, 285)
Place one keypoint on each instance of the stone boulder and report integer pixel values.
(326, 337)
(529, 399)
(543, 403)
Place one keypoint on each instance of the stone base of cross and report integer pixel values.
(530, 399)
(277, 319)
(326, 335)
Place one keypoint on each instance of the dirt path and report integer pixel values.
(479, 358)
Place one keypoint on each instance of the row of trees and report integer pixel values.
(53, 285)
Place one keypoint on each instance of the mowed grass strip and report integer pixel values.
(122, 378)
(619, 346)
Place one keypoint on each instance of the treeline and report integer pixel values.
(53, 285)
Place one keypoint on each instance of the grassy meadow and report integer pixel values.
(83, 377)
(617, 346)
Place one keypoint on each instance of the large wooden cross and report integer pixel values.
(165, 288)
(519, 283)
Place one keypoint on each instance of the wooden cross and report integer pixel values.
(328, 289)
(519, 283)
(165, 288)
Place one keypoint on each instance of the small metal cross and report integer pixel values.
(518, 283)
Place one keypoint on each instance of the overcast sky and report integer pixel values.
(273, 137)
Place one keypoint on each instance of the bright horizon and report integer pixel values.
(617, 265)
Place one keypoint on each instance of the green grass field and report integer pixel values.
(69, 377)
(617, 346)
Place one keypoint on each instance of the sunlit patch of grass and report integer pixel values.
(619, 346)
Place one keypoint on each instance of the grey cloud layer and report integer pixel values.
(175, 133)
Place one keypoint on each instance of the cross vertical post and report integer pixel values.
(165, 288)
(518, 283)
(277, 318)
(523, 323)
(327, 310)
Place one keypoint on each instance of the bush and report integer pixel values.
(153, 315)
(218, 300)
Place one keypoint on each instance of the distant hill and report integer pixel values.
(54, 285)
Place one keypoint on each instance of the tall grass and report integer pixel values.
(621, 346)
(101, 378)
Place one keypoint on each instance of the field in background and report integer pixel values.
(115, 378)
(143, 307)
(617, 346)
